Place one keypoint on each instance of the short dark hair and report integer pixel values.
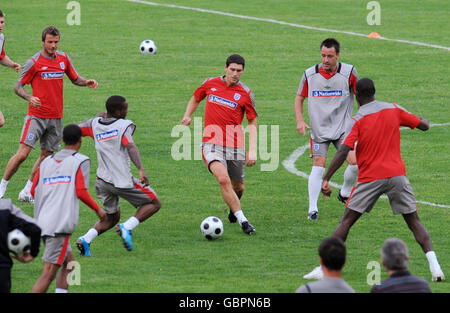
(365, 88)
(331, 42)
(50, 30)
(1, 13)
(332, 251)
(115, 103)
(235, 58)
(71, 134)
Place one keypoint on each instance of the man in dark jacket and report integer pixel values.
(11, 217)
(394, 255)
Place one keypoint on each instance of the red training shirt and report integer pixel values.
(46, 74)
(224, 111)
(377, 131)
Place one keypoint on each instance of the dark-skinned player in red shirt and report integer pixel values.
(381, 168)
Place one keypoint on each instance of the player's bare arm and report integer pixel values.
(83, 82)
(298, 108)
(2, 119)
(251, 156)
(191, 107)
(6, 61)
(336, 163)
(135, 157)
(21, 92)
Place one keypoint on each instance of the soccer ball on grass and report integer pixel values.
(211, 227)
(18, 243)
(148, 47)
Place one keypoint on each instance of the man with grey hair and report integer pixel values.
(395, 257)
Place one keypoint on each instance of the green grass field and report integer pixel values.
(170, 254)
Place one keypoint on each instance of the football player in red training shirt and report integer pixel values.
(381, 168)
(4, 59)
(44, 72)
(223, 148)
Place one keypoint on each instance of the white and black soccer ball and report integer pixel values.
(18, 243)
(211, 227)
(148, 47)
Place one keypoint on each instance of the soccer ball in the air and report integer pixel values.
(18, 243)
(211, 227)
(148, 47)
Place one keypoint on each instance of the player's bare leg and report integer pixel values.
(143, 213)
(107, 222)
(25, 194)
(48, 275)
(229, 195)
(341, 231)
(347, 221)
(220, 172)
(147, 210)
(13, 165)
(62, 284)
(423, 238)
(44, 153)
(238, 187)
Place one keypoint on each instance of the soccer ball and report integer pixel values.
(148, 47)
(18, 243)
(211, 227)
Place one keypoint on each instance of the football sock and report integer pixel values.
(60, 290)
(131, 223)
(90, 235)
(432, 260)
(240, 217)
(3, 185)
(28, 186)
(314, 187)
(350, 177)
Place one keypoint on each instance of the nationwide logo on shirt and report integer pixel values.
(107, 135)
(52, 75)
(222, 101)
(327, 93)
(57, 180)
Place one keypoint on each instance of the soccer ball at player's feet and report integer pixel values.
(211, 227)
(148, 47)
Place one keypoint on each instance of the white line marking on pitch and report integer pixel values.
(269, 20)
(289, 165)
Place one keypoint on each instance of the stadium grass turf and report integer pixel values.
(170, 253)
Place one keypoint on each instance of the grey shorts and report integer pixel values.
(321, 148)
(56, 248)
(109, 195)
(397, 188)
(232, 158)
(47, 130)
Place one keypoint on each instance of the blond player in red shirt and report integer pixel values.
(223, 148)
(45, 73)
(381, 168)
